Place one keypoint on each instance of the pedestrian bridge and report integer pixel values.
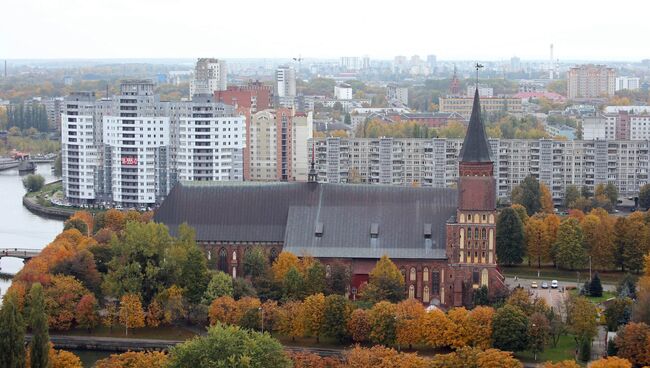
(23, 253)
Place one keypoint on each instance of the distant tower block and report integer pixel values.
(551, 68)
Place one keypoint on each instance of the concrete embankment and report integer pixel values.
(50, 212)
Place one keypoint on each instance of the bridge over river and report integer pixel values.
(22, 253)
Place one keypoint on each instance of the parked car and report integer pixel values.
(544, 285)
(534, 285)
(554, 284)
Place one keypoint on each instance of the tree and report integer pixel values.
(255, 263)
(546, 199)
(632, 342)
(538, 332)
(314, 308)
(598, 240)
(644, 196)
(434, 327)
(582, 319)
(242, 288)
(12, 334)
(111, 315)
(172, 303)
(510, 329)
(40, 344)
(86, 312)
(220, 285)
(154, 314)
(359, 326)
(293, 284)
(611, 362)
(336, 313)
(537, 244)
(571, 195)
(409, 314)
(76, 223)
(382, 320)
(291, 321)
(386, 282)
(194, 270)
(223, 309)
(458, 334)
(530, 195)
(339, 278)
(618, 313)
(33, 182)
(315, 278)
(131, 313)
(481, 296)
(521, 212)
(479, 324)
(474, 357)
(283, 264)
(636, 245)
(595, 287)
(510, 238)
(380, 356)
(134, 359)
(82, 267)
(568, 247)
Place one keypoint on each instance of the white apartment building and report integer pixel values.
(285, 80)
(434, 162)
(343, 91)
(398, 94)
(211, 138)
(352, 63)
(277, 145)
(591, 81)
(483, 91)
(209, 75)
(79, 150)
(629, 83)
(621, 126)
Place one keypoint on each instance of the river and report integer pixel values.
(20, 228)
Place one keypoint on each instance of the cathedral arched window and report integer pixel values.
(469, 233)
(483, 234)
(425, 294)
(425, 274)
(234, 255)
(328, 271)
(476, 233)
(412, 274)
(411, 292)
(223, 260)
(273, 254)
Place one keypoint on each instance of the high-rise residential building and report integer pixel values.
(211, 140)
(629, 83)
(395, 93)
(483, 90)
(276, 147)
(343, 91)
(131, 149)
(352, 63)
(463, 105)
(255, 96)
(136, 147)
(79, 148)
(621, 125)
(432, 62)
(433, 162)
(210, 75)
(285, 78)
(515, 64)
(591, 81)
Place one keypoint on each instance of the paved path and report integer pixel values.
(510, 281)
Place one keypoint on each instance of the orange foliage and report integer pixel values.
(611, 362)
(382, 357)
(133, 359)
(359, 325)
(224, 310)
(61, 298)
(311, 360)
(409, 315)
(458, 335)
(479, 323)
(87, 218)
(63, 359)
(434, 326)
(562, 364)
(633, 343)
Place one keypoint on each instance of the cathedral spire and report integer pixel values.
(475, 147)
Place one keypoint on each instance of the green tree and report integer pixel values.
(611, 192)
(33, 182)
(195, 277)
(568, 249)
(255, 263)
(571, 195)
(383, 323)
(538, 332)
(529, 195)
(618, 313)
(39, 348)
(386, 282)
(220, 285)
(229, 346)
(635, 245)
(581, 318)
(293, 284)
(595, 287)
(76, 223)
(242, 288)
(315, 278)
(12, 334)
(339, 278)
(644, 196)
(510, 238)
(336, 313)
(510, 329)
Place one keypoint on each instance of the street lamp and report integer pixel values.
(262, 317)
(535, 348)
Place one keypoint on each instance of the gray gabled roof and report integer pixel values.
(343, 215)
(475, 146)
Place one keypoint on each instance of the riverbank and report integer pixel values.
(56, 213)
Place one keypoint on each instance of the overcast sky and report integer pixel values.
(453, 29)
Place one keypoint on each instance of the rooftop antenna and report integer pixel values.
(478, 67)
(299, 59)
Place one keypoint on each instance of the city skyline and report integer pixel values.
(410, 29)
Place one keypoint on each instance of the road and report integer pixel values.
(553, 297)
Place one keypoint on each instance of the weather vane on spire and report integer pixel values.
(478, 67)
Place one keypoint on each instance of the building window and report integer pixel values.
(273, 254)
(483, 234)
(412, 275)
(484, 277)
(469, 233)
(234, 256)
(223, 260)
(425, 294)
(476, 233)
(435, 281)
(328, 271)
(475, 277)
(411, 292)
(425, 274)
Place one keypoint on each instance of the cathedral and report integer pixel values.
(442, 239)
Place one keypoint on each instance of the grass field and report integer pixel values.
(565, 350)
(606, 295)
(552, 273)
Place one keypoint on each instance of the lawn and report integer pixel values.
(552, 273)
(597, 300)
(159, 333)
(565, 350)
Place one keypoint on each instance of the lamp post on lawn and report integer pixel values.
(535, 352)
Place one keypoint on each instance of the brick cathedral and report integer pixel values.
(442, 239)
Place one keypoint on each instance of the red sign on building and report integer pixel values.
(129, 160)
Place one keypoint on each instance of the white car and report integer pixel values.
(544, 285)
(534, 285)
(554, 284)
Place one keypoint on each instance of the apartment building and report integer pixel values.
(285, 79)
(622, 125)
(132, 148)
(591, 81)
(395, 93)
(276, 148)
(343, 91)
(629, 83)
(210, 75)
(434, 162)
(463, 105)
(255, 96)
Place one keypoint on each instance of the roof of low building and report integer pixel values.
(323, 220)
